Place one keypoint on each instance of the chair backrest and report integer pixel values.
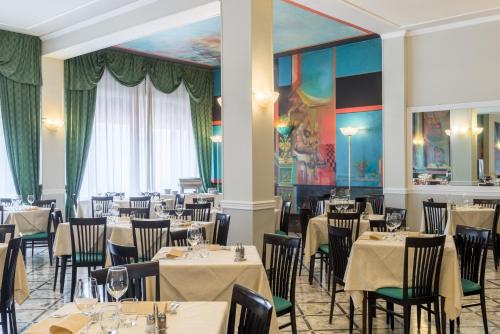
(285, 215)
(360, 204)
(49, 230)
(57, 218)
(137, 276)
(186, 214)
(121, 255)
(88, 241)
(472, 249)
(210, 200)
(348, 220)
(6, 201)
(435, 217)
(1, 214)
(9, 273)
(304, 216)
(378, 225)
(179, 237)
(201, 212)
(377, 203)
(149, 236)
(255, 312)
(316, 205)
(340, 244)
(486, 203)
(105, 201)
(44, 203)
(402, 212)
(140, 202)
(221, 228)
(179, 199)
(142, 213)
(425, 266)
(284, 252)
(7, 232)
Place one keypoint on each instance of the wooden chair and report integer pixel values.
(7, 303)
(57, 219)
(402, 212)
(142, 213)
(7, 232)
(186, 214)
(41, 239)
(496, 237)
(221, 229)
(472, 250)
(340, 242)
(435, 217)
(88, 246)
(105, 201)
(377, 203)
(282, 273)
(179, 237)
(121, 255)
(316, 205)
(149, 236)
(143, 202)
(45, 203)
(179, 199)
(6, 202)
(378, 225)
(360, 204)
(485, 203)
(304, 215)
(255, 312)
(421, 288)
(284, 218)
(201, 212)
(210, 200)
(138, 274)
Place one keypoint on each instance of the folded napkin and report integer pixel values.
(174, 253)
(184, 223)
(414, 234)
(376, 236)
(71, 324)
(143, 308)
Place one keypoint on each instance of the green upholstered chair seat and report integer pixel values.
(396, 293)
(280, 232)
(469, 286)
(95, 257)
(36, 236)
(281, 304)
(324, 248)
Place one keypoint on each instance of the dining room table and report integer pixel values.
(190, 277)
(21, 288)
(377, 262)
(189, 318)
(27, 219)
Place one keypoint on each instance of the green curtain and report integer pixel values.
(20, 81)
(84, 72)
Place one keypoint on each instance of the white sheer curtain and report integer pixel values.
(7, 188)
(142, 140)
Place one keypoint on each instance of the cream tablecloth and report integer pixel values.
(22, 290)
(28, 220)
(191, 317)
(469, 216)
(317, 232)
(374, 264)
(212, 278)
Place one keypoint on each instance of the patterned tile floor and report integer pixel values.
(313, 304)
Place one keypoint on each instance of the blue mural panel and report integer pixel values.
(217, 82)
(359, 58)
(366, 149)
(317, 73)
(284, 71)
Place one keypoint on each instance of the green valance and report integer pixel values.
(20, 58)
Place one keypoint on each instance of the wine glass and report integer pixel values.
(86, 298)
(18, 200)
(30, 199)
(179, 210)
(333, 193)
(98, 209)
(194, 235)
(117, 283)
(159, 210)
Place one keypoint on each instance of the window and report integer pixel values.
(7, 188)
(142, 139)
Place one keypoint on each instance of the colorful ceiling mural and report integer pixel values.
(295, 27)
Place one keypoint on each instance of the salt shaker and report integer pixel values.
(242, 251)
(162, 323)
(150, 324)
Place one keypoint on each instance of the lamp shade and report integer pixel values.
(349, 131)
(216, 139)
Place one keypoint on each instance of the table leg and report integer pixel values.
(311, 269)
(364, 312)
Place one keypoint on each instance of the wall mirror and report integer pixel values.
(457, 147)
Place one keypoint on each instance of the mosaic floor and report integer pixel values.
(313, 304)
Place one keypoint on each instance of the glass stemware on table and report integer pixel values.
(86, 298)
(117, 284)
(194, 236)
(30, 199)
(394, 221)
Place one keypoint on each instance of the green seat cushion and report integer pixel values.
(280, 232)
(97, 257)
(469, 286)
(324, 248)
(36, 236)
(281, 304)
(396, 293)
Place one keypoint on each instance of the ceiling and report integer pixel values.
(295, 27)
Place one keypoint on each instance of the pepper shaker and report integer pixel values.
(150, 324)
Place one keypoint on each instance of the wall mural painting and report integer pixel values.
(433, 149)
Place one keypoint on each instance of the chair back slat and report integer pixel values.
(6, 202)
(140, 202)
(9, 272)
(210, 200)
(472, 249)
(348, 220)
(286, 207)
(435, 217)
(255, 312)
(186, 214)
(340, 244)
(45, 203)
(200, 212)
(377, 203)
(105, 201)
(316, 205)
(7, 232)
(142, 213)
(221, 228)
(304, 216)
(486, 202)
(402, 212)
(121, 255)
(149, 236)
(88, 241)
(378, 225)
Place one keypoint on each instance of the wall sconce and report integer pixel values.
(463, 130)
(349, 131)
(216, 139)
(418, 141)
(219, 100)
(477, 131)
(52, 124)
(265, 98)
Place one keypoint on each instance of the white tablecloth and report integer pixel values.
(469, 216)
(191, 317)
(375, 264)
(317, 232)
(212, 278)
(28, 221)
(22, 290)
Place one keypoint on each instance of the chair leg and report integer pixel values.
(55, 274)
(13, 316)
(64, 261)
(332, 302)
(73, 281)
(351, 315)
(407, 319)
(371, 309)
(301, 262)
(419, 316)
(51, 251)
(321, 270)
(4, 321)
(311, 268)
(452, 326)
(32, 249)
(483, 311)
(293, 320)
(429, 319)
(437, 315)
(390, 307)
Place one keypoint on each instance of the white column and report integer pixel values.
(394, 119)
(463, 147)
(247, 67)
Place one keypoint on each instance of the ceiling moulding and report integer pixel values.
(395, 34)
(455, 25)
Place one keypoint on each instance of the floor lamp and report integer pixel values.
(349, 132)
(216, 139)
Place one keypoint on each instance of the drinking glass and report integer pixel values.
(203, 248)
(130, 317)
(194, 235)
(18, 200)
(98, 209)
(179, 210)
(86, 298)
(117, 283)
(159, 210)
(30, 199)
(109, 322)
